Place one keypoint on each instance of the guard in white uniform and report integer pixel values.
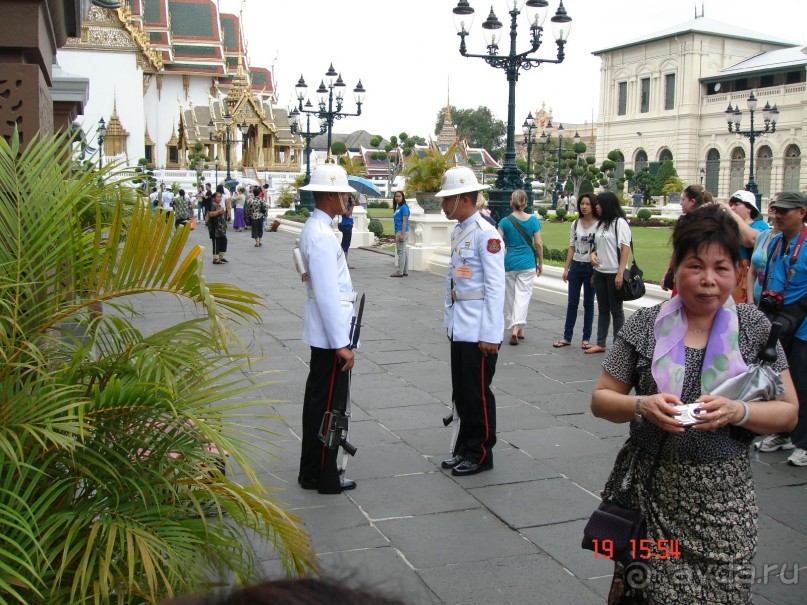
(474, 320)
(328, 313)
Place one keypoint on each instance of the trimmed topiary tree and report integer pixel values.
(643, 214)
(375, 227)
(664, 174)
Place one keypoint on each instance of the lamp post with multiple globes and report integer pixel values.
(528, 129)
(306, 197)
(509, 177)
(769, 117)
(228, 138)
(101, 137)
(544, 139)
(330, 99)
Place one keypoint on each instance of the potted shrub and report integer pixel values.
(424, 177)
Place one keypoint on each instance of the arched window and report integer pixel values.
(792, 168)
(664, 155)
(640, 161)
(737, 169)
(763, 165)
(712, 171)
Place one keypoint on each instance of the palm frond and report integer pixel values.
(112, 441)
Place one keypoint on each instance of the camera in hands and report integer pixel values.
(689, 413)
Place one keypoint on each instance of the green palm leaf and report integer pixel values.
(112, 440)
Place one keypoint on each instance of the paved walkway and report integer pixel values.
(510, 535)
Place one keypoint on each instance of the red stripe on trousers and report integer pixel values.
(485, 412)
(328, 407)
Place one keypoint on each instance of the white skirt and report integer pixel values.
(517, 294)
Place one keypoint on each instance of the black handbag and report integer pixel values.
(622, 527)
(633, 279)
(619, 526)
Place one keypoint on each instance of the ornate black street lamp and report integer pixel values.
(326, 94)
(544, 140)
(228, 138)
(306, 197)
(509, 177)
(101, 137)
(528, 128)
(769, 115)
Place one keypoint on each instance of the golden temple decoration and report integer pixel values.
(125, 16)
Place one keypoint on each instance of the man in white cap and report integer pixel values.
(474, 319)
(326, 328)
(744, 205)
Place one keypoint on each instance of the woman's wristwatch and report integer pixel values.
(637, 411)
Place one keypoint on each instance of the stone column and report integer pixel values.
(429, 240)
(361, 234)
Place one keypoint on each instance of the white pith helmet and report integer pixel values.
(329, 177)
(459, 179)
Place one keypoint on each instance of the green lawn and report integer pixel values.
(652, 244)
(385, 216)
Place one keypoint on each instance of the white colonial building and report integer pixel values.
(665, 95)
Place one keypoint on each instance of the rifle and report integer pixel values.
(454, 418)
(336, 424)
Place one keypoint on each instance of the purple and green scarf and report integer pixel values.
(722, 360)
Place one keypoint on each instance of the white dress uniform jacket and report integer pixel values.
(167, 200)
(329, 307)
(475, 303)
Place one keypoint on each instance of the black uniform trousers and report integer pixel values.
(325, 389)
(471, 375)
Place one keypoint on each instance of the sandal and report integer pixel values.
(561, 343)
(595, 349)
(513, 340)
(585, 345)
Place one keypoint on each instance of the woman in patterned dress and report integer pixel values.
(701, 495)
(217, 227)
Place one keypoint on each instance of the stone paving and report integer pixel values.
(510, 535)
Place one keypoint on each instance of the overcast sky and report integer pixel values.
(407, 52)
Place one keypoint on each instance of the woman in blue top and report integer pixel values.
(401, 220)
(524, 260)
(346, 227)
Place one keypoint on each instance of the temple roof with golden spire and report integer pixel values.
(114, 126)
(448, 133)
